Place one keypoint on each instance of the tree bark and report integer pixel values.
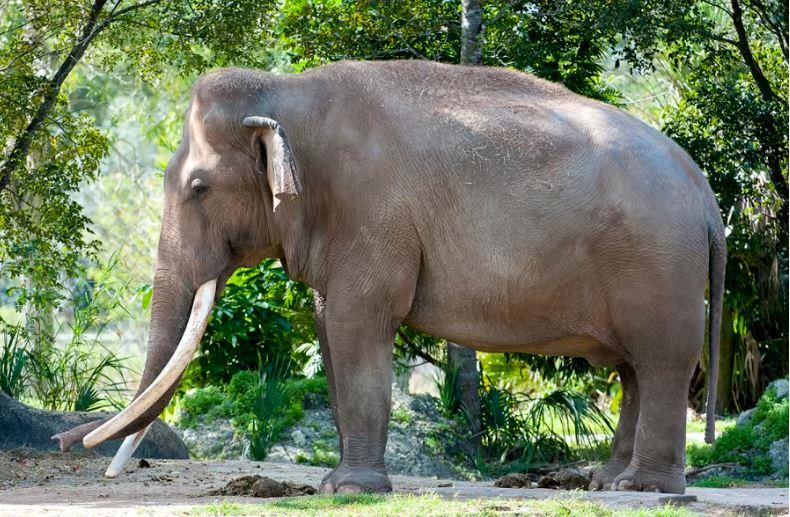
(471, 33)
(17, 151)
(726, 357)
(467, 384)
(460, 357)
(775, 155)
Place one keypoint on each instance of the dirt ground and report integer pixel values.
(33, 483)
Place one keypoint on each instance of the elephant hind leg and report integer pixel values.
(658, 460)
(623, 443)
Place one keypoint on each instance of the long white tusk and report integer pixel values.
(198, 318)
(125, 451)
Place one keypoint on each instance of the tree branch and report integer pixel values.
(414, 349)
(779, 30)
(764, 86)
(17, 152)
(746, 52)
(21, 147)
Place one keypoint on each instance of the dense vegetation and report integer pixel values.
(91, 96)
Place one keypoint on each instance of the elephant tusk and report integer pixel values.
(125, 451)
(198, 319)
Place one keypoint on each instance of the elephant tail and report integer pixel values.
(716, 269)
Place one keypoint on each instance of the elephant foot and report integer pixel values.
(350, 480)
(603, 477)
(632, 479)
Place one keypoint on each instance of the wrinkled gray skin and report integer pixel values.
(480, 205)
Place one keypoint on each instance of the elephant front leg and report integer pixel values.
(323, 342)
(360, 353)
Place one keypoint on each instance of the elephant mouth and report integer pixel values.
(198, 319)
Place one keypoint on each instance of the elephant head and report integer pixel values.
(228, 176)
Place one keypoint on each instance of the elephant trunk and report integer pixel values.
(175, 333)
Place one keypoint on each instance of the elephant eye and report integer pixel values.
(198, 187)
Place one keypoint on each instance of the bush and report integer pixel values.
(208, 403)
(748, 444)
(261, 318)
(260, 404)
(13, 362)
(65, 365)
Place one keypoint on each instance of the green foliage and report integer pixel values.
(13, 362)
(721, 482)
(69, 368)
(319, 458)
(537, 430)
(263, 428)
(209, 403)
(262, 317)
(446, 385)
(748, 444)
(261, 404)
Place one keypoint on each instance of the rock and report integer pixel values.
(409, 450)
(24, 426)
(313, 400)
(213, 439)
(779, 387)
(568, 479)
(778, 453)
(514, 480)
(745, 418)
(298, 438)
(261, 486)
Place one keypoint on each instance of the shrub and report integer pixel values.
(262, 317)
(13, 362)
(208, 403)
(528, 430)
(260, 404)
(748, 444)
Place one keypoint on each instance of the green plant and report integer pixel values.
(401, 416)
(748, 444)
(13, 362)
(68, 367)
(529, 430)
(208, 403)
(272, 394)
(446, 386)
(79, 377)
(320, 457)
(262, 317)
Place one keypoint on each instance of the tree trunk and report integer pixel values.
(459, 357)
(726, 357)
(471, 33)
(466, 388)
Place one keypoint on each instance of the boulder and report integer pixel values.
(779, 387)
(745, 418)
(779, 455)
(24, 426)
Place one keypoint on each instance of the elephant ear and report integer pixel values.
(280, 167)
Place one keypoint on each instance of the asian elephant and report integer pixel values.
(477, 204)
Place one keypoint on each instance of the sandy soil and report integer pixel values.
(34, 483)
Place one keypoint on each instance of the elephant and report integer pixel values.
(477, 204)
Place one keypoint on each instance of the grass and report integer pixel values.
(698, 426)
(397, 505)
(724, 482)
